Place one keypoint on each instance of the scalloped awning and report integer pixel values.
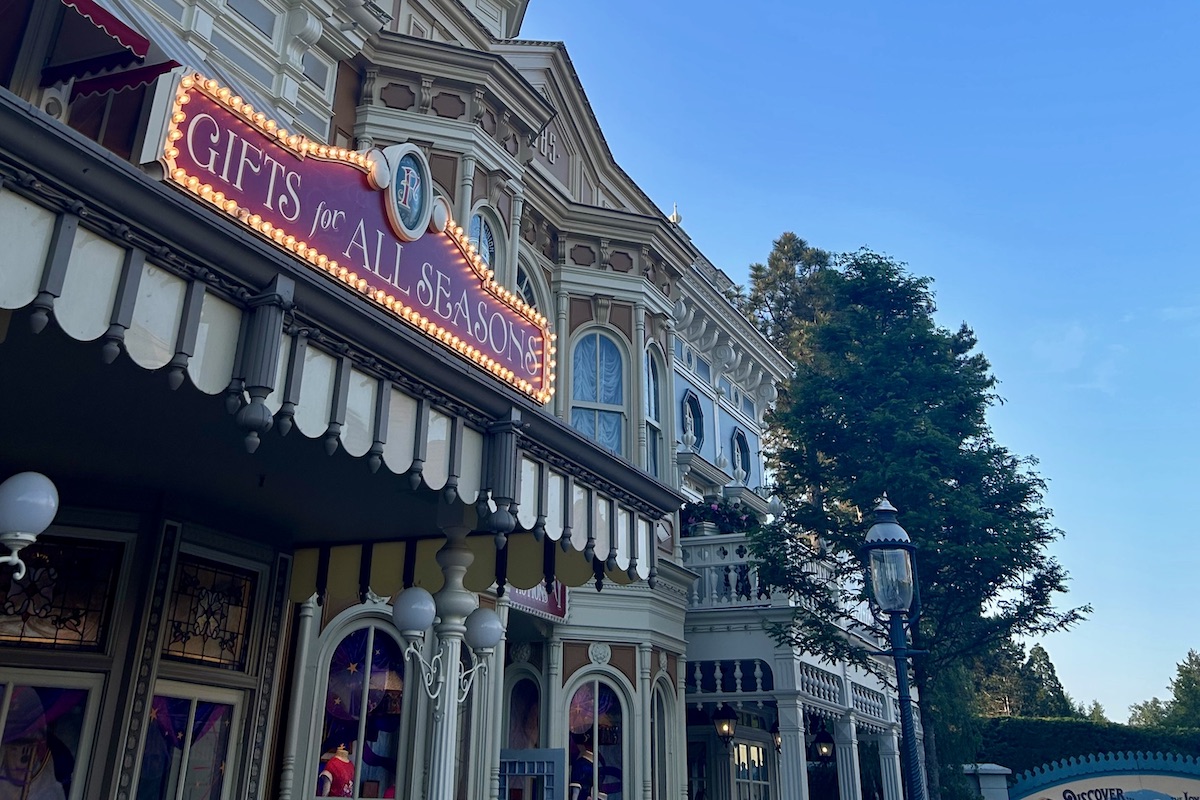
(193, 326)
(108, 22)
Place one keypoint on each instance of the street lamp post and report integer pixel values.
(892, 571)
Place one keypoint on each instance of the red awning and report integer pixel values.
(119, 81)
(106, 21)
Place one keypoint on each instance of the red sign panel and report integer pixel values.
(537, 601)
(330, 208)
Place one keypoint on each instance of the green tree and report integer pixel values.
(1043, 694)
(1182, 708)
(1095, 713)
(1150, 714)
(884, 400)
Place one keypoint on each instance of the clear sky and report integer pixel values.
(1039, 161)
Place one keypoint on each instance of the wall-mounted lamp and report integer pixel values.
(28, 503)
(823, 744)
(776, 737)
(725, 721)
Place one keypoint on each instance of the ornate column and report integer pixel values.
(845, 743)
(681, 762)
(889, 763)
(514, 239)
(454, 602)
(466, 190)
(291, 741)
(562, 394)
(495, 708)
(793, 756)
(639, 378)
(645, 731)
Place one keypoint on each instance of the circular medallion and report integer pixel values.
(410, 196)
(599, 653)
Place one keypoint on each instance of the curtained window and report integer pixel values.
(598, 391)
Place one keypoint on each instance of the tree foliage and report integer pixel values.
(1011, 683)
(884, 400)
(1182, 708)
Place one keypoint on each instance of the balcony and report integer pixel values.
(729, 580)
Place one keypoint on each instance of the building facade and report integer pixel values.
(307, 306)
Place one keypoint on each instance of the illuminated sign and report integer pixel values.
(368, 220)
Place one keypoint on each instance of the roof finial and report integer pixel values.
(675, 217)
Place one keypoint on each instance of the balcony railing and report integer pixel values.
(728, 579)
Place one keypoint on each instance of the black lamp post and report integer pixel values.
(892, 568)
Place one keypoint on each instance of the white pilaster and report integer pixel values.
(889, 764)
(845, 743)
(793, 756)
(304, 634)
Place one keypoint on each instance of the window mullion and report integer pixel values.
(185, 756)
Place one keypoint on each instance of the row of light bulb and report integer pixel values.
(310, 254)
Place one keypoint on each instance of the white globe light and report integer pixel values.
(28, 503)
(413, 611)
(484, 630)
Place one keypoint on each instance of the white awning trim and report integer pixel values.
(89, 287)
(97, 287)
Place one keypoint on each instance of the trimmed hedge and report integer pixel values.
(1022, 744)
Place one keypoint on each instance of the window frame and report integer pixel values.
(739, 445)
(202, 692)
(488, 216)
(602, 333)
(691, 401)
(655, 424)
(93, 682)
(623, 694)
(349, 622)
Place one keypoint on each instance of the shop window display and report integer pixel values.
(41, 743)
(596, 747)
(186, 752)
(361, 730)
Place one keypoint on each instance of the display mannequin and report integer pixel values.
(337, 776)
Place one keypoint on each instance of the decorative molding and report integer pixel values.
(599, 653)
(146, 661)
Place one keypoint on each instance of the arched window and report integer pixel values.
(484, 233)
(740, 448)
(692, 420)
(524, 715)
(596, 750)
(654, 423)
(363, 698)
(598, 391)
(526, 286)
(660, 745)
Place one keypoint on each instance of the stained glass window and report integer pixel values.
(40, 745)
(65, 599)
(365, 679)
(209, 616)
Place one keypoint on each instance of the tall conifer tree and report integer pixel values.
(884, 400)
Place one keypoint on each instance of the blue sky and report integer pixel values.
(1039, 161)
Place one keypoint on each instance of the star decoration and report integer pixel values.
(352, 668)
